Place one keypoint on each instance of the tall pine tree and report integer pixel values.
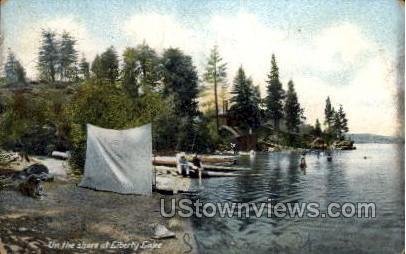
(275, 95)
(245, 99)
(293, 111)
(328, 114)
(317, 129)
(67, 58)
(215, 74)
(340, 122)
(48, 56)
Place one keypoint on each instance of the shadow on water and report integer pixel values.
(348, 178)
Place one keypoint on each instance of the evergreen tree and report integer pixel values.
(84, 69)
(328, 113)
(130, 72)
(215, 74)
(180, 82)
(140, 69)
(67, 59)
(340, 122)
(293, 111)
(109, 64)
(317, 129)
(13, 70)
(149, 64)
(105, 67)
(180, 87)
(275, 95)
(245, 99)
(97, 69)
(48, 56)
(336, 125)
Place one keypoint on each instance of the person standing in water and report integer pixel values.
(302, 163)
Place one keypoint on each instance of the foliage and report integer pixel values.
(67, 58)
(245, 108)
(180, 81)
(33, 123)
(105, 67)
(13, 70)
(148, 88)
(140, 69)
(340, 123)
(84, 68)
(328, 113)
(57, 57)
(131, 72)
(108, 106)
(275, 95)
(48, 56)
(292, 109)
(317, 132)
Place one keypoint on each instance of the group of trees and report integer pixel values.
(144, 87)
(247, 107)
(281, 104)
(57, 57)
(245, 101)
(335, 121)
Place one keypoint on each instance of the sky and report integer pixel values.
(348, 50)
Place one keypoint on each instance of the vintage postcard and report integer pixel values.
(212, 126)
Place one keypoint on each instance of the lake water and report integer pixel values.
(348, 178)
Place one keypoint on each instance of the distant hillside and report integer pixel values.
(361, 138)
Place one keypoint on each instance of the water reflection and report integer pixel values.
(348, 177)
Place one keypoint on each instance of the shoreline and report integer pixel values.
(73, 215)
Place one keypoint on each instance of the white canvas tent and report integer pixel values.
(119, 160)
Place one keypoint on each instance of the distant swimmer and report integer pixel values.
(329, 157)
(303, 163)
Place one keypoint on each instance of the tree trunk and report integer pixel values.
(216, 102)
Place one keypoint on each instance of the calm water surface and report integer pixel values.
(348, 178)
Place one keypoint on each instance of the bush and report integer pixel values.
(107, 106)
(35, 123)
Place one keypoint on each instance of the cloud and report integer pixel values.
(159, 31)
(343, 43)
(369, 99)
